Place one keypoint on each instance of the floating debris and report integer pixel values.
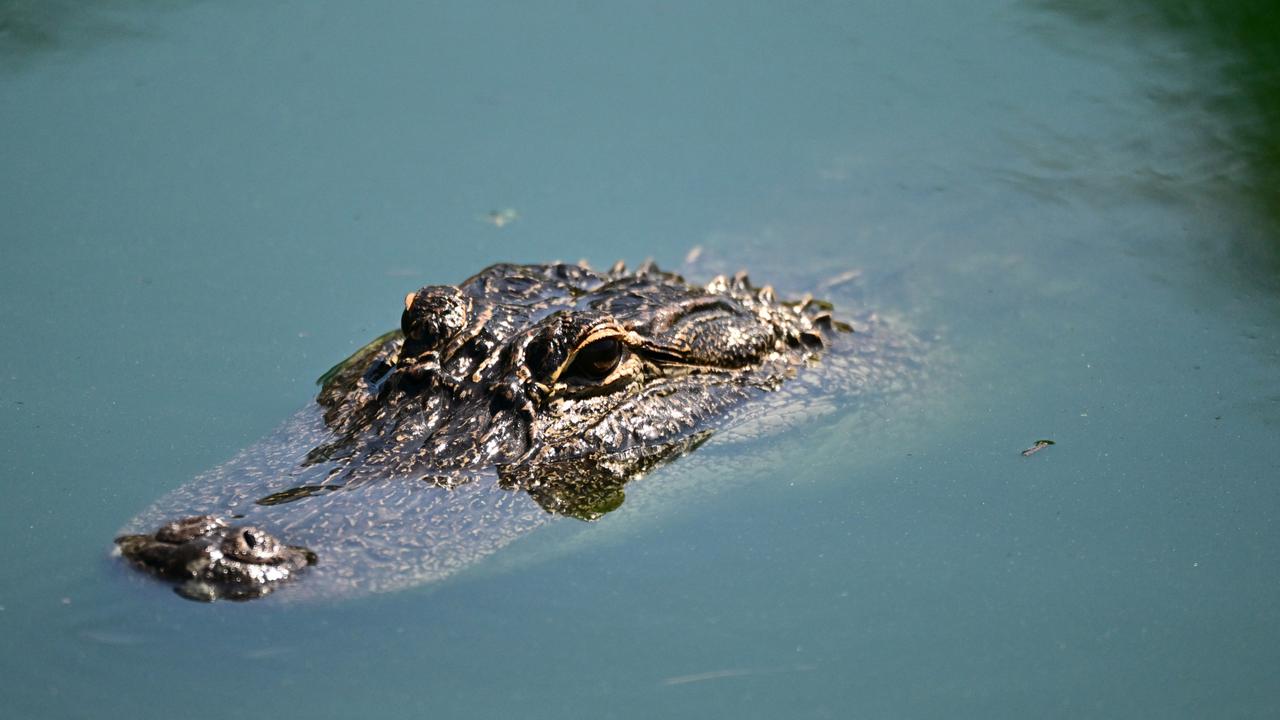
(841, 279)
(733, 673)
(1037, 447)
(501, 218)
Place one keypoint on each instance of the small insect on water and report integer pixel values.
(1037, 447)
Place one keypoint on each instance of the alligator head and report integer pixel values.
(553, 380)
(523, 366)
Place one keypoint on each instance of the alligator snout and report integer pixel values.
(210, 559)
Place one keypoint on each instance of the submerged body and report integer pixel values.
(522, 393)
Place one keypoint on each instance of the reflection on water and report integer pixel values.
(1236, 114)
(32, 26)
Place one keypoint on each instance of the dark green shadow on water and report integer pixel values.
(30, 28)
(1239, 42)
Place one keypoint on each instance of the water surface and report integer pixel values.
(208, 204)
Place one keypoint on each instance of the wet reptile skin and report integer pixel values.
(524, 392)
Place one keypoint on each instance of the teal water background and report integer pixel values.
(206, 204)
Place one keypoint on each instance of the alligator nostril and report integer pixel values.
(251, 545)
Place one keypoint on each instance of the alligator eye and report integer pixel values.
(596, 360)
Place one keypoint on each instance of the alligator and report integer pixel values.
(523, 393)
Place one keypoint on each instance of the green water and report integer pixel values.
(207, 204)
